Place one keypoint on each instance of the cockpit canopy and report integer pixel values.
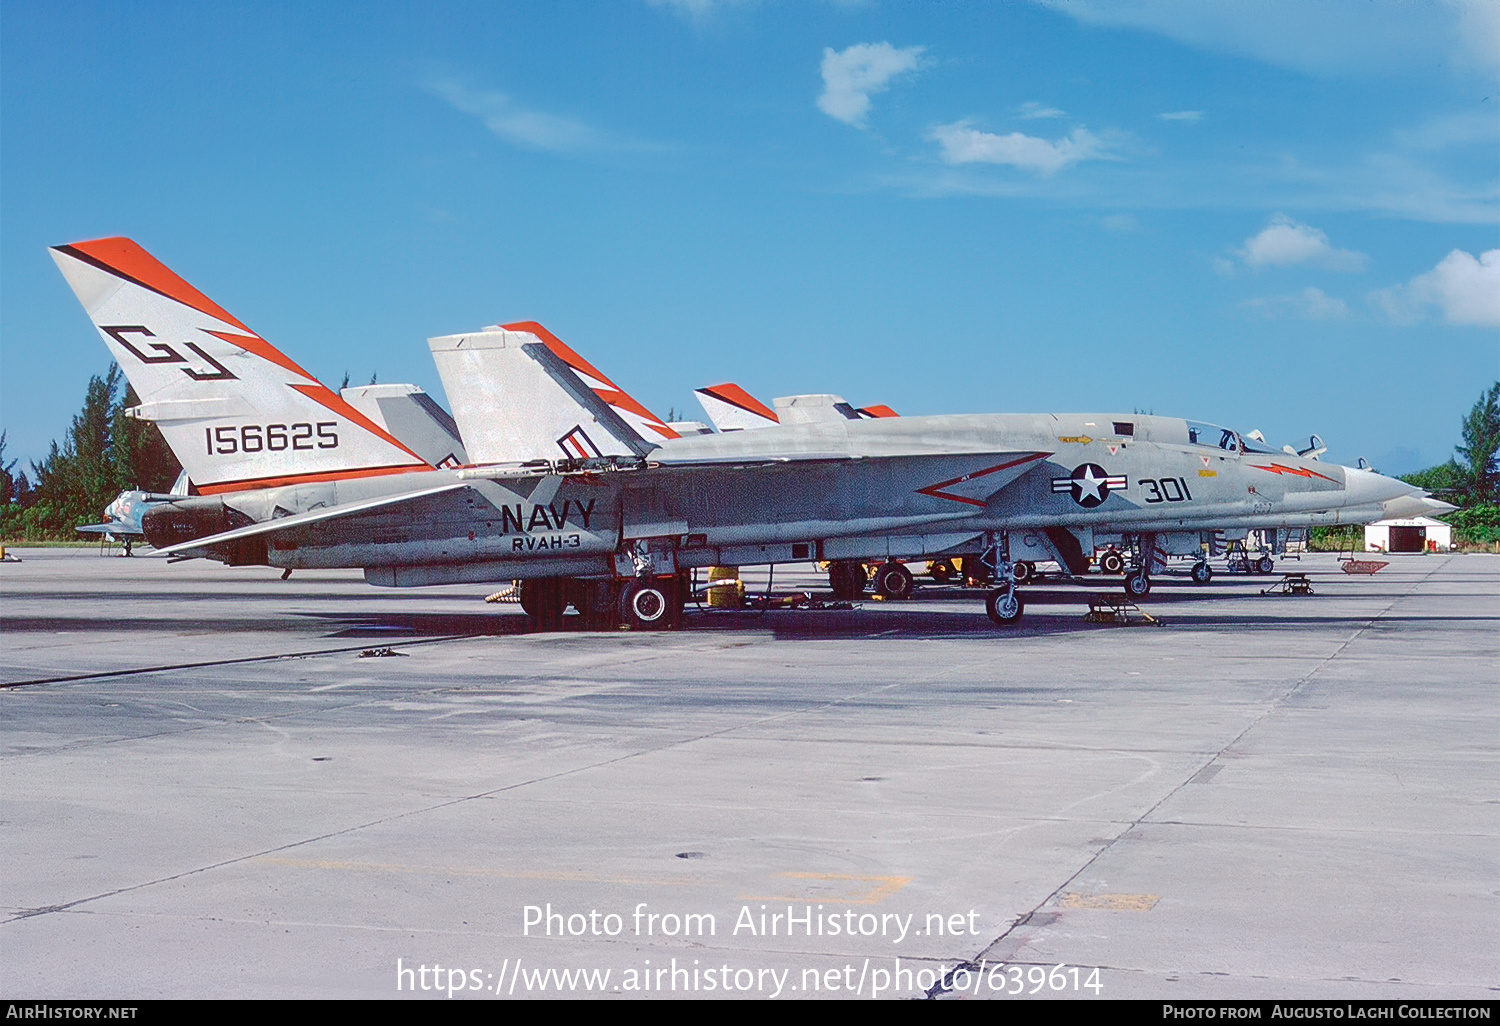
(1215, 437)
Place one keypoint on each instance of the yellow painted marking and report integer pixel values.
(1208, 473)
(1113, 902)
(481, 871)
(855, 888)
(1080, 439)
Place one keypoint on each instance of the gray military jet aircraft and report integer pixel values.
(291, 475)
(123, 516)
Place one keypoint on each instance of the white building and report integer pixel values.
(1409, 534)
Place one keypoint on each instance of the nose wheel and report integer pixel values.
(1004, 606)
(1137, 584)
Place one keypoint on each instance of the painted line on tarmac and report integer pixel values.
(99, 675)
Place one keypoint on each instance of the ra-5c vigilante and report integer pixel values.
(289, 474)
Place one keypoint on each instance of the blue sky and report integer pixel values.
(1272, 215)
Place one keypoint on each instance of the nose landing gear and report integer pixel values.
(1003, 604)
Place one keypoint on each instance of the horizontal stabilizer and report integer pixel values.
(411, 415)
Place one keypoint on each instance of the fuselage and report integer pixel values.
(904, 487)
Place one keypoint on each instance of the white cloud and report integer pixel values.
(1465, 289)
(1033, 110)
(514, 123)
(1310, 304)
(965, 145)
(1284, 242)
(850, 76)
(1181, 115)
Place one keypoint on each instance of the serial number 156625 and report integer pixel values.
(224, 441)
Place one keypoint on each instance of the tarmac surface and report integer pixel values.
(208, 791)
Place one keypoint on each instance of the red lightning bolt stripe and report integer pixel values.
(1277, 468)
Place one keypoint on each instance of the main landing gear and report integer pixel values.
(651, 603)
(640, 603)
(894, 581)
(545, 601)
(847, 578)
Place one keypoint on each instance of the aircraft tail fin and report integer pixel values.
(515, 399)
(236, 411)
(731, 408)
(641, 420)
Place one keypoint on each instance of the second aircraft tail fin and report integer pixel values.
(516, 400)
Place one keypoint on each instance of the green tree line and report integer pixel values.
(1471, 477)
(103, 454)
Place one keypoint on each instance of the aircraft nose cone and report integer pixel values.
(1366, 488)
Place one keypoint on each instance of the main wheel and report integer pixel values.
(1004, 606)
(1112, 562)
(894, 581)
(847, 579)
(650, 604)
(544, 601)
(942, 571)
(1137, 584)
(1202, 573)
(1024, 571)
(1264, 565)
(601, 604)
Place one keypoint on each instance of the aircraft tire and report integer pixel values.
(544, 600)
(894, 581)
(1137, 584)
(1024, 571)
(942, 571)
(847, 579)
(1202, 573)
(1004, 607)
(1264, 565)
(1112, 562)
(650, 604)
(601, 605)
